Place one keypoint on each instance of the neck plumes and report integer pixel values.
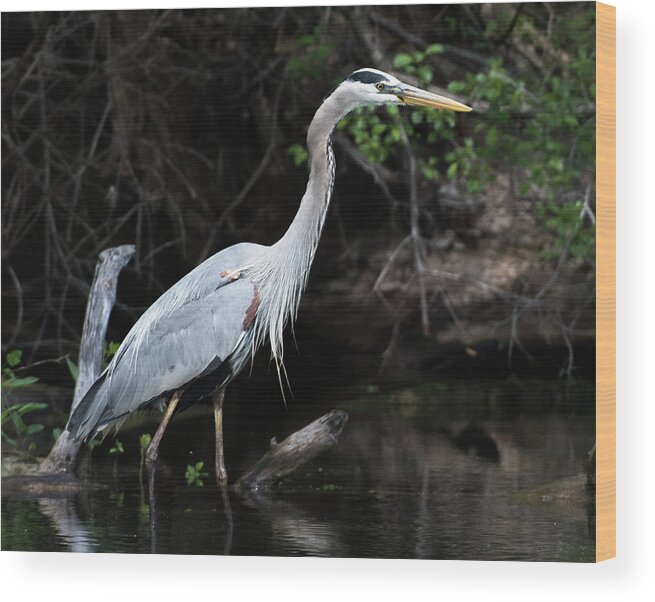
(284, 271)
(301, 239)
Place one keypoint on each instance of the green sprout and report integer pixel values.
(194, 474)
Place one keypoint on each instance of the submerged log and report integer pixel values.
(39, 485)
(295, 450)
(102, 296)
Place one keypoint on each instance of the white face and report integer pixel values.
(371, 86)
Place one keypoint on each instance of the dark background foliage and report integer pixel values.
(183, 132)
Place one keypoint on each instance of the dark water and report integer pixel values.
(439, 471)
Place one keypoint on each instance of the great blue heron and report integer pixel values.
(192, 341)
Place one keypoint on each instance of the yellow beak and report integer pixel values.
(415, 96)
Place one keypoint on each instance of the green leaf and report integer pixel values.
(425, 73)
(434, 49)
(31, 406)
(299, 153)
(457, 86)
(491, 139)
(14, 357)
(570, 120)
(22, 382)
(402, 60)
(144, 441)
(32, 429)
(72, 368)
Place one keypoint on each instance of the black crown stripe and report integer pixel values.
(366, 77)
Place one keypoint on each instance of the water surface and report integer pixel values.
(443, 470)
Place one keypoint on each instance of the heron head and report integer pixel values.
(371, 86)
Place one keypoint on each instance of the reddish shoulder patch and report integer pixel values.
(230, 275)
(251, 312)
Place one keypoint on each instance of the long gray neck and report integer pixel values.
(302, 237)
(282, 272)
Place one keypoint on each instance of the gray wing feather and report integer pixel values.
(193, 324)
(179, 346)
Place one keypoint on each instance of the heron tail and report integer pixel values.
(86, 416)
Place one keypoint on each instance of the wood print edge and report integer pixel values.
(606, 282)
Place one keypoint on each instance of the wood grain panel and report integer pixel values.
(606, 281)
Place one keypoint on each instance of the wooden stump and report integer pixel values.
(102, 296)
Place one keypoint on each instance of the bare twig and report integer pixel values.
(19, 305)
(417, 242)
(254, 178)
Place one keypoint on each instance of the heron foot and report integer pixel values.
(151, 456)
(221, 476)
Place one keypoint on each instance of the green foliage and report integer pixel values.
(108, 352)
(540, 129)
(566, 222)
(377, 139)
(194, 474)
(144, 442)
(117, 448)
(533, 134)
(14, 357)
(109, 349)
(14, 414)
(310, 56)
(72, 368)
(463, 162)
(15, 430)
(93, 443)
(299, 153)
(415, 63)
(9, 379)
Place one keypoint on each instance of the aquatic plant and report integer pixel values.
(16, 432)
(194, 473)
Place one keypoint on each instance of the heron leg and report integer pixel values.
(152, 507)
(153, 449)
(221, 473)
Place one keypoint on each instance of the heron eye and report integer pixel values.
(380, 86)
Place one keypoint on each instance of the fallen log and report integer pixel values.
(295, 450)
(101, 300)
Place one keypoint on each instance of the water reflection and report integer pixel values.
(412, 477)
(71, 530)
(300, 530)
